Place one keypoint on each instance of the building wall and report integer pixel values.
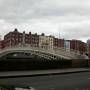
(88, 48)
(2, 44)
(88, 45)
(82, 47)
(60, 42)
(67, 45)
(78, 46)
(7, 39)
(46, 41)
(35, 40)
(50, 42)
(13, 38)
(16, 38)
(55, 42)
(74, 44)
(28, 38)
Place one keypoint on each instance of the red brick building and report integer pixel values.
(28, 38)
(74, 44)
(16, 38)
(2, 44)
(35, 40)
(58, 42)
(55, 42)
(78, 46)
(13, 38)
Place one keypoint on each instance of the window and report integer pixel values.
(13, 35)
(13, 39)
(20, 35)
(20, 39)
(16, 39)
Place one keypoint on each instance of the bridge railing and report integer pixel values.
(54, 50)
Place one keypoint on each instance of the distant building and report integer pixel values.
(27, 39)
(16, 38)
(88, 41)
(83, 47)
(55, 42)
(61, 43)
(58, 42)
(34, 40)
(74, 45)
(0, 37)
(2, 45)
(88, 47)
(46, 41)
(67, 45)
(78, 45)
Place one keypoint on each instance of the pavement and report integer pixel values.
(13, 74)
(73, 81)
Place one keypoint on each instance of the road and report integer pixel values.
(74, 81)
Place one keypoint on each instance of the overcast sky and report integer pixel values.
(69, 18)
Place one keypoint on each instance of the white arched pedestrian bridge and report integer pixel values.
(55, 53)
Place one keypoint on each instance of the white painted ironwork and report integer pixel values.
(48, 53)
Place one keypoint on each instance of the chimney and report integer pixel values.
(29, 32)
(15, 30)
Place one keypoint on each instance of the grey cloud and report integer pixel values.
(46, 15)
(77, 32)
(22, 10)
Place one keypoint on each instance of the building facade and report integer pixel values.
(61, 43)
(58, 42)
(88, 47)
(46, 41)
(27, 38)
(2, 44)
(13, 38)
(67, 45)
(78, 45)
(55, 42)
(82, 47)
(16, 38)
(35, 40)
(74, 45)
